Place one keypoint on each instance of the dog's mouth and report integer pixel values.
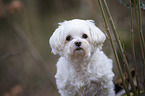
(78, 52)
(78, 49)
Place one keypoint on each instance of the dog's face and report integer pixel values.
(76, 39)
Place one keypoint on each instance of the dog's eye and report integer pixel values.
(68, 38)
(85, 36)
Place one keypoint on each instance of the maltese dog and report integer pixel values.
(83, 69)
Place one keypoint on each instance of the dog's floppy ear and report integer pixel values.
(56, 41)
(97, 36)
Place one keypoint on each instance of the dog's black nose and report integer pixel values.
(78, 44)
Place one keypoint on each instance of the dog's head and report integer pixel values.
(76, 39)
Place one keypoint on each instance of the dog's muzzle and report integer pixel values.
(78, 45)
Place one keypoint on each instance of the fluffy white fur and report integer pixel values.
(82, 70)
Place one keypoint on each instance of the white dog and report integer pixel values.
(83, 69)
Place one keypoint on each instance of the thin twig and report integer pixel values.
(140, 27)
(120, 47)
(136, 13)
(141, 38)
(113, 46)
(133, 47)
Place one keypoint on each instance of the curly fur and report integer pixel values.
(85, 72)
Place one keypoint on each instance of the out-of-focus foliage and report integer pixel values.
(143, 5)
(127, 3)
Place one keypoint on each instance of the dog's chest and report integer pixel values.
(83, 84)
(80, 76)
(80, 79)
(84, 80)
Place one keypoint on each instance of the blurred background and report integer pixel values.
(27, 66)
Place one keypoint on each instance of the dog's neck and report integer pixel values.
(82, 64)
